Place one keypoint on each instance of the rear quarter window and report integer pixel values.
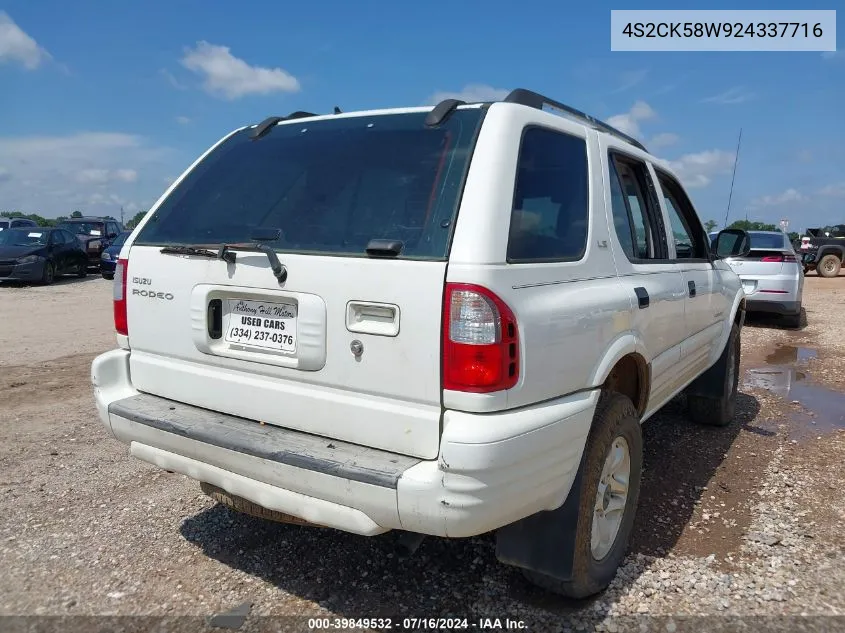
(550, 212)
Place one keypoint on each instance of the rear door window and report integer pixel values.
(331, 186)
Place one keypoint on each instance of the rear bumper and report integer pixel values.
(107, 266)
(773, 307)
(492, 470)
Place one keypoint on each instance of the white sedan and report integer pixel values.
(772, 276)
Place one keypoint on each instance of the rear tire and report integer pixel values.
(82, 270)
(720, 410)
(829, 266)
(615, 431)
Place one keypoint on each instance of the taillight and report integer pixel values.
(480, 341)
(772, 258)
(789, 258)
(121, 323)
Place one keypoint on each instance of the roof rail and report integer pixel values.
(270, 122)
(538, 101)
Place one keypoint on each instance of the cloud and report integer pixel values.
(833, 191)
(471, 93)
(103, 176)
(17, 46)
(629, 122)
(182, 120)
(697, 170)
(731, 96)
(52, 175)
(630, 79)
(664, 139)
(790, 196)
(230, 77)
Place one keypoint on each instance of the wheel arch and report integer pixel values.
(625, 368)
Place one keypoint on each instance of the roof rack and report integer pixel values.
(536, 100)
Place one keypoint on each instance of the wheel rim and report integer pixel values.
(829, 266)
(611, 498)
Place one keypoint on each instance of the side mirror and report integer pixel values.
(732, 243)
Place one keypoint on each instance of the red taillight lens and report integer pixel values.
(480, 341)
(121, 323)
(789, 258)
(772, 258)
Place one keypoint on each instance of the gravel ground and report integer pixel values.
(740, 522)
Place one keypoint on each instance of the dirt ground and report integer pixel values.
(743, 521)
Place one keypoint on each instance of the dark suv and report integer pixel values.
(95, 233)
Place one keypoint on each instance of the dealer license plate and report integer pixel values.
(262, 324)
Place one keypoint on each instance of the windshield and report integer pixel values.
(331, 186)
(767, 240)
(120, 239)
(29, 236)
(95, 229)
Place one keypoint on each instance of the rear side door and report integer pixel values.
(59, 252)
(705, 304)
(644, 266)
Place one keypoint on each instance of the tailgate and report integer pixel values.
(359, 210)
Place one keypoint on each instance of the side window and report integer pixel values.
(687, 233)
(635, 217)
(57, 238)
(70, 238)
(550, 213)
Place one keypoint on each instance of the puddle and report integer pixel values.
(785, 374)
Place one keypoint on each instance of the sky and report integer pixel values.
(103, 104)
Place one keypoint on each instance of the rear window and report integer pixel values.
(767, 240)
(331, 186)
(4, 224)
(95, 229)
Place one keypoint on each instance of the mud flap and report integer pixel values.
(544, 542)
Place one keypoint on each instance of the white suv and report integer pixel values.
(445, 321)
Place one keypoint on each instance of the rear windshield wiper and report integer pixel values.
(259, 235)
(187, 250)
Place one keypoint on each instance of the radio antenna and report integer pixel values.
(733, 177)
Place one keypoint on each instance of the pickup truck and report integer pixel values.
(823, 250)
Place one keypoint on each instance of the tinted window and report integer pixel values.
(331, 186)
(84, 228)
(768, 240)
(57, 237)
(551, 198)
(686, 231)
(632, 210)
(120, 239)
(30, 236)
(4, 224)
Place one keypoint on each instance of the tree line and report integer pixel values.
(42, 221)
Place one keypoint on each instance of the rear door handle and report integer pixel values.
(642, 297)
(691, 285)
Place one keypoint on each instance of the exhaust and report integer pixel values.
(408, 543)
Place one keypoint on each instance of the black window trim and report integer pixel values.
(551, 260)
(675, 184)
(653, 211)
